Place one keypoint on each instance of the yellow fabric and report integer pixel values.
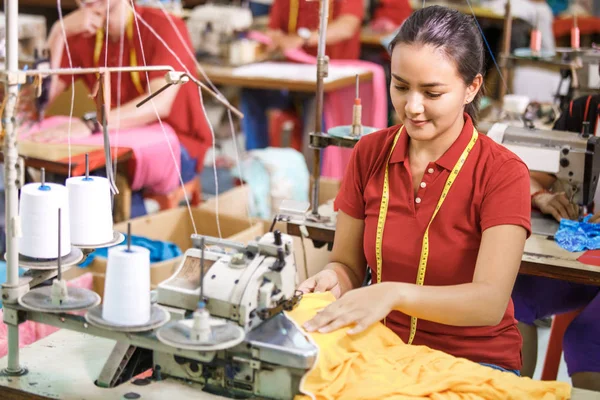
(376, 364)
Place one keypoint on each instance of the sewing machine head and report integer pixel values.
(248, 286)
(574, 159)
(215, 30)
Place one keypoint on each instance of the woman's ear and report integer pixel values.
(473, 88)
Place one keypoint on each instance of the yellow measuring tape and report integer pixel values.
(135, 75)
(293, 17)
(385, 199)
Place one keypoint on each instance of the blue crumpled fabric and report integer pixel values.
(159, 250)
(578, 235)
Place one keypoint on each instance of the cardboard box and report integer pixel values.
(328, 189)
(175, 226)
(233, 202)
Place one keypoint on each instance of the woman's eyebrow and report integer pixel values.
(429, 84)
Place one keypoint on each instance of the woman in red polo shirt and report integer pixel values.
(438, 212)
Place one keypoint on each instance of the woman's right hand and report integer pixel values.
(86, 20)
(325, 281)
(557, 205)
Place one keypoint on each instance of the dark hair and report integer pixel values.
(454, 33)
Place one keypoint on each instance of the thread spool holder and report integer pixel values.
(202, 332)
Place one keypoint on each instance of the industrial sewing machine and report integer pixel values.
(216, 323)
(249, 289)
(573, 158)
(216, 32)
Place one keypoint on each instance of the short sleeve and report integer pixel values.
(276, 20)
(350, 198)
(352, 7)
(507, 198)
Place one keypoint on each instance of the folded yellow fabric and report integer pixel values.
(376, 364)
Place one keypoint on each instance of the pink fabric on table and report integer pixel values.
(154, 166)
(29, 331)
(338, 104)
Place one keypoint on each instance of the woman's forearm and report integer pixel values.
(131, 116)
(343, 28)
(347, 278)
(469, 304)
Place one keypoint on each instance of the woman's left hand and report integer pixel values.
(78, 129)
(359, 307)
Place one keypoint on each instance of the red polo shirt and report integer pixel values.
(308, 17)
(394, 10)
(187, 117)
(491, 189)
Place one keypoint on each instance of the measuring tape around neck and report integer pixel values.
(294, 11)
(135, 75)
(385, 198)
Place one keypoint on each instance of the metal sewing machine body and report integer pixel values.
(246, 287)
(573, 158)
(250, 287)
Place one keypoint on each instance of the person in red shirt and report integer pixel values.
(293, 24)
(438, 213)
(388, 15)
(180, 106)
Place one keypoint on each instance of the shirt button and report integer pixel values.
(430, 170)
(423, 184)
(418, 200)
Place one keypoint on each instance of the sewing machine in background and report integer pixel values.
(574, 160)
(217, 34)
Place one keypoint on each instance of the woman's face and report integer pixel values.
(427, 91)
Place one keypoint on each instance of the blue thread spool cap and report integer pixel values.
(43, 186)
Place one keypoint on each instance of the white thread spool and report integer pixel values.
(127, 286)
(90, 210)
(38, 208)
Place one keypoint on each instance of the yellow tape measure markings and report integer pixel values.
(385, 195)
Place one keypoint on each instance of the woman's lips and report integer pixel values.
(416, 122)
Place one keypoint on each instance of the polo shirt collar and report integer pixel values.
(449, 158)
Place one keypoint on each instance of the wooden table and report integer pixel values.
(54, 158)
(220, 75)
(542, 256)
(65, 364)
